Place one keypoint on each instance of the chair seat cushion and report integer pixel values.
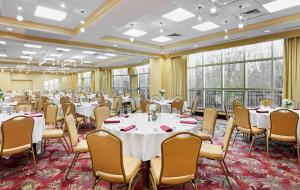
(53, 133)
(211, 151)
(10, 151)
(255, 130)
(155, 168)
(131, 167)
(282, 138)
(60, 118)
(81, 147)
(204, 136)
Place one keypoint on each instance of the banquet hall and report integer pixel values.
(140, 94)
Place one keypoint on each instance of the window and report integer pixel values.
(84, 80)
(121, 81)
(51, 84)
(143, 73)
(249, 73)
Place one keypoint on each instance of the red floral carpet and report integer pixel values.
(280, 171)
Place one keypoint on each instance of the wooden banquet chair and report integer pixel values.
(178, 161)
(108, 162)
(177, 97)
(266, 102)
(23, 107)
(44, 108)
(209, 124)
(133, 106)
(284, 129)
(64, 99)
(236, 102)
(243, 125)
(193, 108)
(116, 106)
(178, 105)
(77, 146)
(219, 152)
(38, 105)
(101, 114)
(16, 142)
(145, 104)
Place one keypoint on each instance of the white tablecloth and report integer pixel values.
(86, 109)
(166, 105)
(125, 99)
(262, 120)
(39, 125)
(144, 142)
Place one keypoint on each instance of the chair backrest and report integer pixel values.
(72, 130)
(236, 102)
(194, 105)
(23, 107)
(51, 114)
(44, 108)
(178, 97)
(266, 102)
(227, 136)
(72, 110)
(226, 112)
(115, 102)
(45, 99)
(64, 99)
(180, 155)
(132, 103)
(209, 119)
(178, 105)
(101, 114)
(65, 107)
(242, 117)
(144, 105)
(16, 132)
(39, 104)
(106, 153)
(101, 99)
(284, 122)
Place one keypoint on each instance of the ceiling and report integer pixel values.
(107, 20)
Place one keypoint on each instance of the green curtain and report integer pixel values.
(291, 71)
(105, 77)
(179, 76)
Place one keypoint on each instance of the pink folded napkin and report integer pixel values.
(111, 121)
(128, 128)
(166, 128)
(188, 122)
(184, 116)
(258, 111)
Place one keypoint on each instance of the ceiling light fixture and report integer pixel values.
(89, 52)
(32, 46)
(132, 39)
(110, 54)
(178, 15)
(26, 57)
(134, 32)
(3, 55)
(9, 29)
(55, 55)
(161, 30)
(82, 29)
(267, 31)
(279, 5)
(161, 39)
(241, 24)
(49, 13)
(206, 26)
(2, 42)
(101, 57)
(29, 52)
(226, 37)
(78, 57)
(199, 16)
(19, 17)
(62, 5)
(213, 9)
(63, 49)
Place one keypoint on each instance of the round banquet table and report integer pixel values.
(85, 108)
(262, 120)
(39, 125)
(144, 141)
(166, 105)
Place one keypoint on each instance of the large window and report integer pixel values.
(143, 73)
(84, 81)
(121, 81)
(51, 84)
(248, 73)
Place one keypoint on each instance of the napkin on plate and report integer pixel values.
(188, 122)
(166, 128)
(127, 128)
(111, 121)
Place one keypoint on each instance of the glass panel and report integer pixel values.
(195, 60)
(213, 76)
(192, 94)
(234, 75)
(254, 97)
(278, 73)
(259, 74)
(213, 98)
(212, 57)
(258, 51)
(229, 96)
(123, 71)
(278, 48)
(195, 77)
(233, 54)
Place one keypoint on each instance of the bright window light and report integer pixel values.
(78, 57)
(161, 39)
(3, 55)
(110, 54)
(206, 26)
(63, 49)
(279, 5)
(89, 52)
(48, 13)
(178, 15)
(32, 46)
(29, 52)
(134, 32)
(101, 57)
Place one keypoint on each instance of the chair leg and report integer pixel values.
(95, 182)
(253, 139)
(69, 148)
(225, 166)
(33, 158)
(298, 153)
(61, 142)
(72, 164)
(193, 182)
(237, 131)
(110, 186)
(267, 147)
(225, 174)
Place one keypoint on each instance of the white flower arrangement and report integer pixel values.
(152, 108)
(162, 92)
(287, 104)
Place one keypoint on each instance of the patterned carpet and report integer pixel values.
(280, 171)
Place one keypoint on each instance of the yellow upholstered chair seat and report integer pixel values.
(255, 130)
(81, 147)
(204, 136)
(211, 151)
(131, 167)
(156, 168)
(10, 151)
(282, 138)
(53, 133)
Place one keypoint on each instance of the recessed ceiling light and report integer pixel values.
(49, 59)
(25, 57)
(161, 39)
(279, 5)
(55, 55)
(87, 62)
(9, 29)
(89, 52)
(78, 57)
(267, 31)
(49, 13)
(29, 52)
(2, 42)
(101, 57)
(134, 32)
(110, 54)
(178, 15)
(115, 45)
(32, 46)
(3, 55)
(63, 49)
(70, 60)
(206, 26)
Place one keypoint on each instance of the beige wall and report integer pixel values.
(7, 78)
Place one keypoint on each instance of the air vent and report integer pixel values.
(254, 11)
(175, 35)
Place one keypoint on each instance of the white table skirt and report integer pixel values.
(86, 109)
(166, 105)
(39, 125)
(144, 142)
(262, 120)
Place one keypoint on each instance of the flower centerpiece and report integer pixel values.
(287, 104)
(162, 93)
(153, 110)
(1, 95)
